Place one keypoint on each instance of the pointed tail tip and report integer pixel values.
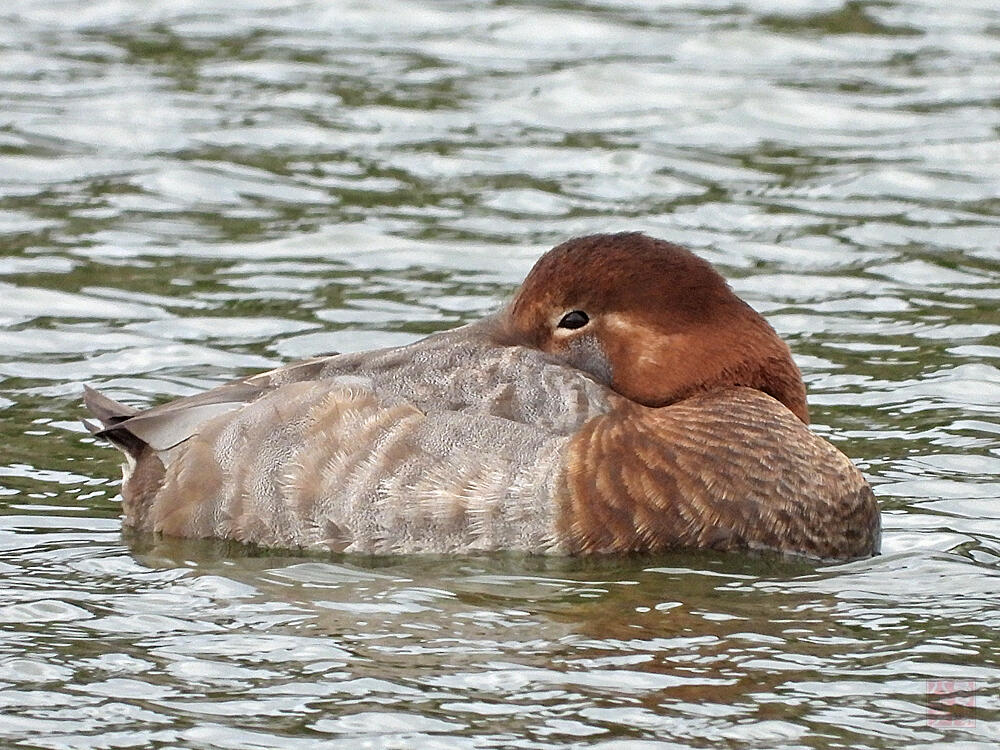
(108, 411)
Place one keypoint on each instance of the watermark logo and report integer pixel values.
(951, 703)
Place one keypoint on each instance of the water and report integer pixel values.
(191, 191)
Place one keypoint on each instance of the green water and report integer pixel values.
(195, 191)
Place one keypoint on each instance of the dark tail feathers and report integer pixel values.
(110, 413)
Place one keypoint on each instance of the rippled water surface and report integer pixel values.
(191, 191)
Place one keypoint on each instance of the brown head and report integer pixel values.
(650, 319)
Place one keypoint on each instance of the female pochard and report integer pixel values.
(626, 400)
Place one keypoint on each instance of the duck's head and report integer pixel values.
(650, 319)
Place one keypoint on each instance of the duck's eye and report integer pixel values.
(575, 319)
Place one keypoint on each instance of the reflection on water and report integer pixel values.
(189, 192)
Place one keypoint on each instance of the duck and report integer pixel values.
(625, 400)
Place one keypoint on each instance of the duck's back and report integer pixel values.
(465, 370)
(450, 444)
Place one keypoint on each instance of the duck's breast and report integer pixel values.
(728, 469)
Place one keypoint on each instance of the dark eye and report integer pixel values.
(575, 319)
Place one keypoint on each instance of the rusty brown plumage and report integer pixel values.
(667, 323)
(730, 469)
